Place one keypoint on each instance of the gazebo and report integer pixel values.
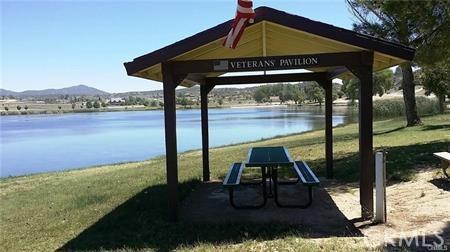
(275, 41)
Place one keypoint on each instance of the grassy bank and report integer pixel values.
(124, 206)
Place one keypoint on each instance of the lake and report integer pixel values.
(42, 143)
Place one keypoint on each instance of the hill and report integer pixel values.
(74, 90)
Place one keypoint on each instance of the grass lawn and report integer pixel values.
(123, 207)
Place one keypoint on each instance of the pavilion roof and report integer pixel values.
(274, 33)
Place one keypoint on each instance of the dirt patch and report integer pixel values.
(418, 208)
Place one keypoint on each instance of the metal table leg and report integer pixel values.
(264, 189)
(275, 187)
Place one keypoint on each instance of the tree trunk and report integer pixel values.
(441, 98)
(409, 95)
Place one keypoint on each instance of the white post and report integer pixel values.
(380, 182)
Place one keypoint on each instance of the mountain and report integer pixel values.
(74, 90)
(4, 92)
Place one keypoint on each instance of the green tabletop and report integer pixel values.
(268, 156)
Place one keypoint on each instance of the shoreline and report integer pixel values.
(133, 109)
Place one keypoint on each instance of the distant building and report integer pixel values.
(274, 99)
(116, 101)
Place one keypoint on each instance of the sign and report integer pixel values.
(266, 64)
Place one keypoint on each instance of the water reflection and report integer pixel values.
(39, 143)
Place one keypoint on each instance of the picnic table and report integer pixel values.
(445, 161)
(269, 160)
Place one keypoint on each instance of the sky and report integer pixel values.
(56, 44)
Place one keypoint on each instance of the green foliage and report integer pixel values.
(436, 80)
(6, 108)
(19, 107)
(26, 107)
(299, 96)
(220, 101)
(73, 105)
(314, 92)
(104, 105)
(184, 101)
(387, 108)
(423, 25)
(285, 92)
(89, 104)
(96, 104)
(350, 89)
(298, 93)
(383, 81)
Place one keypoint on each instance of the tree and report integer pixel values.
(73, 105)
(96, 104)
(89, 104)
(420, 24)
(59, 107)
(184, 101)
(220, 101)
(19, 107)
(383, 81)
(6, 109)
(350, 89)
(259, 95)
(299, 96)
(103, 105)
(314, 92)
(436, 80)
(26, 107)
(286, 93)
(317, 95)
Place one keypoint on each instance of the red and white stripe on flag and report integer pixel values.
(244, 14)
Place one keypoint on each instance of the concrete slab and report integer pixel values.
(209, 203)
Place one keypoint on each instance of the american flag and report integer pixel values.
(244, 15)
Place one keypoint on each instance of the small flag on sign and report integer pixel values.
(221, 65)
(244, 14)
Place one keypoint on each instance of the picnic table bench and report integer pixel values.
(445, 161)
(269, 159)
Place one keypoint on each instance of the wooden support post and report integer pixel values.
(171, 139)
(328, 85)
(366, 142)
(204, 90)
(366, 163)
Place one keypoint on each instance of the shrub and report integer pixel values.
(19, 107)
(396, 107)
